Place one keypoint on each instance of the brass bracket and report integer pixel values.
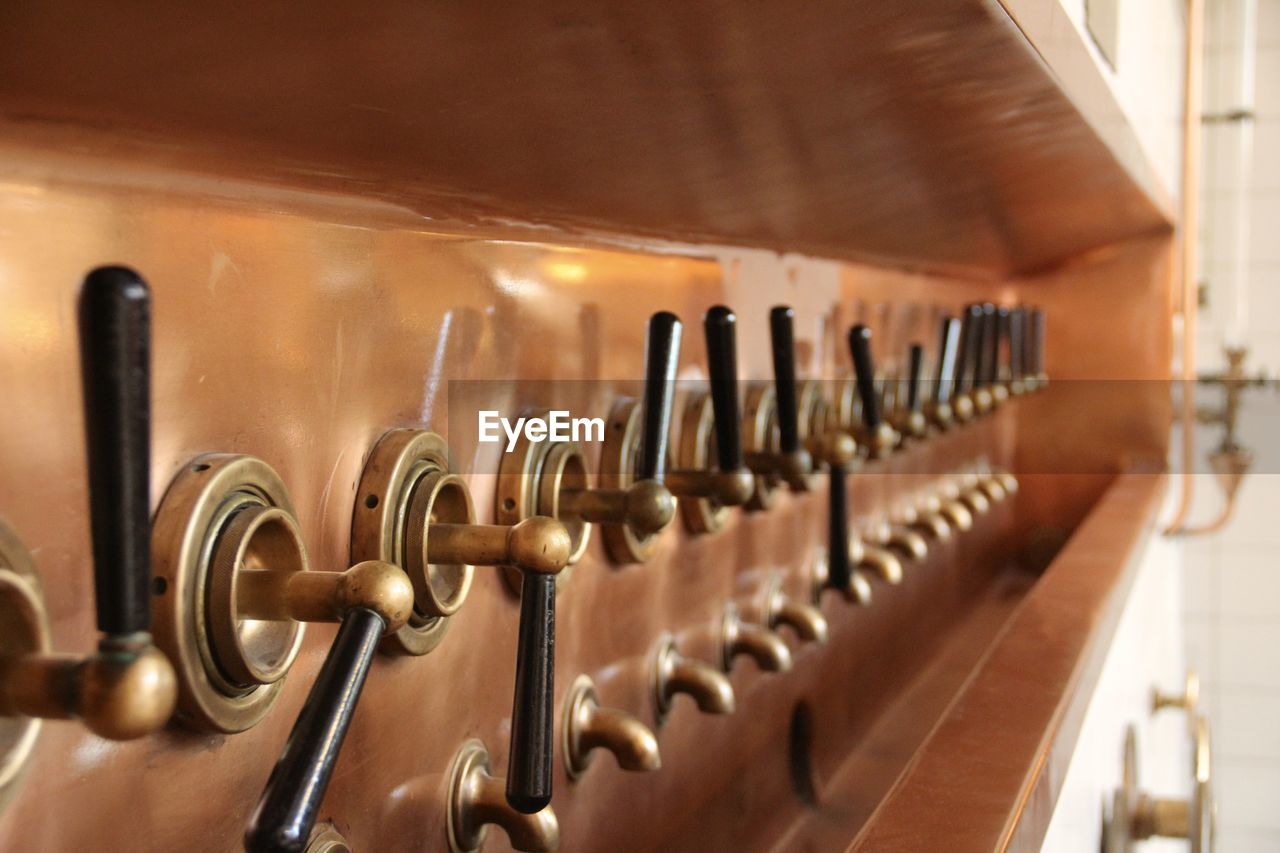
(193, 515)
(407, 481)
(24, 630)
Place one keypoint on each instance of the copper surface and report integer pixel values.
(849, 130)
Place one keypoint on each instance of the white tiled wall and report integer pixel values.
(1232, 578)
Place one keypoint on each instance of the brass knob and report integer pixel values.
(588, 726)
(674, 674)
(879, 560)
(780, 609)
(754, 641)
(477, 800)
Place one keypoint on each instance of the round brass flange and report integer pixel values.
(471, 757)
(530, 481)
(760, 435)
(326, 839)
(619, 458)
(24, 630)
(842, 410)
(406, 485)
(697, 452)
(576, 759)
(221, 513)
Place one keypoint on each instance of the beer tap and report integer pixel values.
(963, 403)
(779, 609)
(780, 456)
(909, 417)
(588, 726)
(941, 413)
(879, 440)
(1036, 342)
(713, 422)
(758, 642)
(1017, 351)
(985, 331)
(673, 674)
(998, 382)
(476, 801)
(125, 689)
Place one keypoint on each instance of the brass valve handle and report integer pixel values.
(722, 364)
(286, 811)
(128, 688)
(782, 339)
(941, 411)
(839, 565)
(662, 359)
(729, 483)
(985, 326)
(880, 436)
(915, 371)
(970, 346)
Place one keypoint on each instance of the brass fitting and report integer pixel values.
(754, 641)
(646, 506)
(477, 799)
(588, 726)
(674, 674)
(882, 562)
(780, 609)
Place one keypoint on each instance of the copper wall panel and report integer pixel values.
(927, 133)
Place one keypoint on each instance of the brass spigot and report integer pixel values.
(780, 609)
(587, 726)
(674, 674)
(882, 562)
(740, 638)
(920, 518)
(477, 801)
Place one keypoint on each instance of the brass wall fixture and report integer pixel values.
(588, 726)
(908, 416)
(1188, 700)
(476, 801)
(126, 688)
(739, 638)
(940, 411)
(711, 476)
(631, 503)
(778, 609)
(674, 674)
(1135, 815)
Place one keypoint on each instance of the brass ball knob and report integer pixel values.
(381, 587)
(127, 696)
(650, 507)
(541, 544)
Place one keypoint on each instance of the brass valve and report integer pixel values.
(878, 439)
(920, 518)
(761, 644)
(952, 510)
(476, 801)
(587, 726)
(126, 688)
(774, 447)
(712, 475)
(779, 609)
(899, 539)
(840, 575)
(880, 561)
(908, 417)
(1135, 815)
(673, 674)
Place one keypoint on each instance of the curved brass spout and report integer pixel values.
(906, 542)
(674, 674)
(879, 560)
(806, 620)
(930, 522)
(477, 799)
(587, 726)
(755, 641)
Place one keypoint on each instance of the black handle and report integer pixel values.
(970, 344)
(532, 746)
(948, 352)
(998, 328)
(1017, 317)
(915, 367)
(115, 368)
(985, 326)
(661, 360)
(839, 569)
(722, 364)
(1037, 341)
(782, 336)
(286, 811)
(864, 370)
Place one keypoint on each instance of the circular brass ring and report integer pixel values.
(24, 630)
(380, 523)
(619, 458)
(327, 839)
(842, 409)
(202, 499)
(663, 655)
(760, 435)
(472, 757)
(253, 651)
(439, 588)
(582, 690)
(697, 452)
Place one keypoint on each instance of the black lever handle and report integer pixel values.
(970, 346)
(782, 337)
(1037, 342)
(532, 743)
(1017, 317)
(999, 320)
(986, 329)
(948, 352)
(839, 567)
(915, 367)
(115, 361)
(662, 359)
(864, 370)
(286, 812)
(722, 363)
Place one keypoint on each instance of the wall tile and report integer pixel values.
(1245, 725)
(1248, 582)
(1248, 654)
(1247, 795)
